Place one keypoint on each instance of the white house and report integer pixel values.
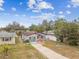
(32, 36)
(50, 35)
(7, 38)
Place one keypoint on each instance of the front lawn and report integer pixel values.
(22, 51)
(65, 50)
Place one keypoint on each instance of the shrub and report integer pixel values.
(27, 41)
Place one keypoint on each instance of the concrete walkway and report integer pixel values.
(47, 52)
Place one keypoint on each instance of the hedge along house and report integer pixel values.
(32, 37)
(7, 38)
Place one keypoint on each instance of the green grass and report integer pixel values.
(71, 52)
(21, 51)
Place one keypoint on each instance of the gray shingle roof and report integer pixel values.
(7, 34)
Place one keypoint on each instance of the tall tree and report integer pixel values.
(67, 32)
(51, 25)
(45, 25)
(33, 27)
(14, 26)
(59, 25)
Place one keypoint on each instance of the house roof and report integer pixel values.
(48, 32)
(40, 34)
(7, 34)
(29, 33)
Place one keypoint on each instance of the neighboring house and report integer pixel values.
(7, 38)
(32, 37)
(50, 35)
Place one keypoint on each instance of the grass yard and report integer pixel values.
(65, 50)
(22, 51)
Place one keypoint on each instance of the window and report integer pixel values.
(6, 39)
(29, 37)
(34, 37)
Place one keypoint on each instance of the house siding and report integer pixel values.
(24, 37)
(12, 41)
(51, 37)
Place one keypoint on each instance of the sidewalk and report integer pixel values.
(47, 52)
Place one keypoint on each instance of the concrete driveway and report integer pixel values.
(47, 52)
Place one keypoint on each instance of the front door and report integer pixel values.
(33, 39)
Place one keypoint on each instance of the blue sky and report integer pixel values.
(28, 12)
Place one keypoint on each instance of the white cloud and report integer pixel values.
(13, 9)
(68, 12)
(43, 16)
(38, 5)
(68, 6)
(16, 15)
(75, 3)
(61, 16)
(36, 11)
(23, 15)
(6, 14)
(40, 0)
(60, 12)
(31, 3)
(1, 3)
(20, 3)
(1, 9)
(45, 5)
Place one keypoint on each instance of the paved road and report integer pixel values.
(47, 52)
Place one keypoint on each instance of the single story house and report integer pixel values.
(32, 37)
(7, 38)
(49, 35)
